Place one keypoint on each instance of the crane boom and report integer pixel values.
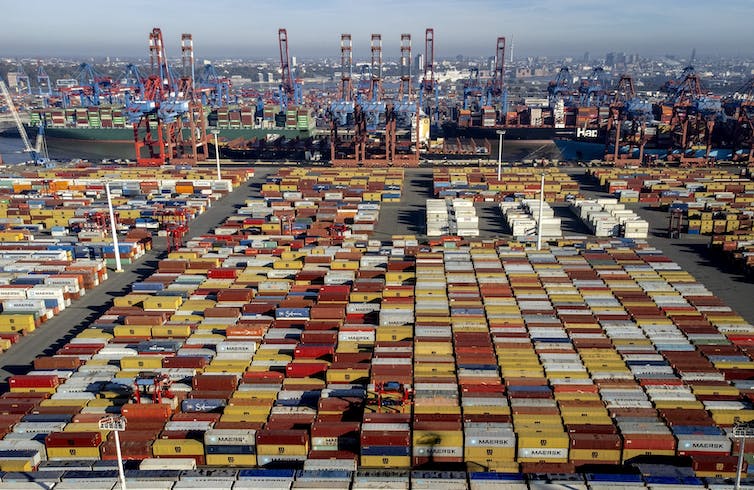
(16, 118)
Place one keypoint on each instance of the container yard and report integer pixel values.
(288, 348)
(345, 314)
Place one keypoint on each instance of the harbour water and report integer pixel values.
(11, 149)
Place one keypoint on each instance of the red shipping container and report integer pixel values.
(33, 381)
(152, 413)
(313, 351)
(282, 437)
(188, 362)
(297, 369)
(73, 439)
(649, 441)
(212, 382)
(9, 407)
(222, 273)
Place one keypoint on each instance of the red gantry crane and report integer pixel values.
(169, 123)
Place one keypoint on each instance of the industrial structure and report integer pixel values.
(368, 120)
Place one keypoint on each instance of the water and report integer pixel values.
(515, 150)
(11, 149)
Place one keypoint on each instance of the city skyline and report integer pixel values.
(227, 28)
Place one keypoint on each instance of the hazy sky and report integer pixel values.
(249, 28)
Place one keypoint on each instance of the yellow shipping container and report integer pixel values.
(229, 365)
(73, 452)
(183, 255)
(611, 456)
(684, 404)
(434, 369)
(398, 277)
(130, 299)
(248, 410)
(197, 305)
(447, 409)
(715, 390)
(171, 331)
(485, 456)
(346, 375)
(9, 465)
(132, 331)
(309, 383)
(80, 402)
(339, 264)
(94, 333)
(245, 460)
(438, 438)
(186, 319)
(550, 447)
(391, 334)
(288, 264)
(32, 390)
(433, 348)
(583, 418)
(386, 461)
(259, 418)
(11, 236)
(282, 450)
(16, 321)
(362, 297)
(171, 447)
(141, 362)
(162, 303)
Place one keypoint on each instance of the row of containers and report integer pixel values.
(45, 263)
(246, 117)
(102, 477)
(53, 213)
(84, 117)
(609, 218)
(455, 217)
(482, 184)
(711, 202)
(37, 285)
(392, 356)
(338, 185)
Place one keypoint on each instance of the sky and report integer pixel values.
(248, 28)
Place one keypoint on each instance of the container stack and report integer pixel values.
(437, 217)
(522, 218)
(463, 219)
(711, 201)
(291, 343)
(482, 184)
(608, 217)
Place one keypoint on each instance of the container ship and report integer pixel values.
(274, 134)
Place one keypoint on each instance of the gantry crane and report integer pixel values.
(497, 91)
(740, 108)
(429, 92)
(91, 89)
(168, 120)
(391, 396)
(693, 119)
(627, 124)
(151, 387)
